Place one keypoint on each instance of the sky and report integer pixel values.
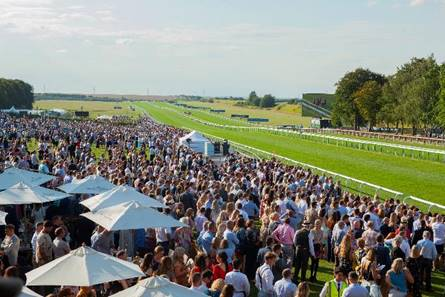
(211, 47)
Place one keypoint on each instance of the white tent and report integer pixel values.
(130, 216)
(12, 176)
(118, 195)
(3, 218)
(195, 141)
(21, 193)
(28, 293)
(82, 267)
(157, 286)
(92, 184)
(12, 110)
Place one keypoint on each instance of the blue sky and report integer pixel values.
(211, 47)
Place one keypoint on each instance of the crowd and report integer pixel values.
(252, 225)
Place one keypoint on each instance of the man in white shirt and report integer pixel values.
(238, 280)
(198, 285)
(11, 244)
(439, 240)
(264, 276)
(285, 287)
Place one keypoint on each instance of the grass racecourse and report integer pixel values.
(425, 179)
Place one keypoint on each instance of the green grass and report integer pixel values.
(281, 114)
(424, 179)
(96, 108)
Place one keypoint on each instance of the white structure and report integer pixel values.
(28, 293)
(12, 176)
(131, 216)
(92, 184)
(195, 141)
(21, 193)
(3, 218)
(157, 286)
(119, 195)
(82, 267)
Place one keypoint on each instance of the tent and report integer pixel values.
(12, 110)
(118, 195)
(82, 267)
(195, 141)
(131, 216)
(3, 218)
(92, 184)
(21, 193)
(28, 293)
(157, 286)
(13, 175)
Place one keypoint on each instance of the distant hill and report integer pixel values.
(100, 97)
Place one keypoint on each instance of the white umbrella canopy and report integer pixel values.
(22, 193)
(157, 286)
(92, 184)
(118, 195)
(129, 216)
(26, 292)
(3, 218)
(12, 176)
(82, 267)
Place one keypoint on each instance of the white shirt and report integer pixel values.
(439, 233)
(162, 234)
(264, 279)
(239, 282)
(285, 288)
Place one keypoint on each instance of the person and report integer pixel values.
(317, 234)
(354, 289)
(284, 235)
(197, 284)
(439, 239)
(264, 276)
(11, 244)
(429, 254)
(397, 279)
(216, 288)
(303, 290)
(336, 286)
(102, 240)
(66, 292)
(61, 247)
(238, 280)
(346, 253)
(44, 246)
(303, 241)
(414, 264)
(86, 292)
(370, 274)
(222, 267)
(285, 287)
(39, 227)
(227, 291)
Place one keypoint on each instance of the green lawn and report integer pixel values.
(281, 114)
(424, 179)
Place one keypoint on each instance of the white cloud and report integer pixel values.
(417, 2)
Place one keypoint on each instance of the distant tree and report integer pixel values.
(267, 101)
(440, 118)
(368, 100)
(17, 93)
(253, 99)
(346, 111)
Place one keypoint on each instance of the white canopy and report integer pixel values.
(92, 184)
(194, 140)
(119, 195)
(21, 193)
(28, 293)
(12, 176)
(129, 216)
(82, 267)
(157, 286)
(3, 218)
(12, 110)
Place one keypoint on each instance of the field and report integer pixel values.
(419, 178)
(282, 114)
(96, 108)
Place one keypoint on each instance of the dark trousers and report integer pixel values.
(301, 263)
(314, 266)
(425, 273)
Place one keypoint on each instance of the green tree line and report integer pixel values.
(413, 97)
(17, 93)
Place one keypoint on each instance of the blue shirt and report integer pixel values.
(427, 249)
(251, 209)
(355, 290)
(205, 241)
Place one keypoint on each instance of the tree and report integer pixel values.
(267, 101)
(440, 118)
(346, 110)
(253, 99)
(368, 101)
(15, 93)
